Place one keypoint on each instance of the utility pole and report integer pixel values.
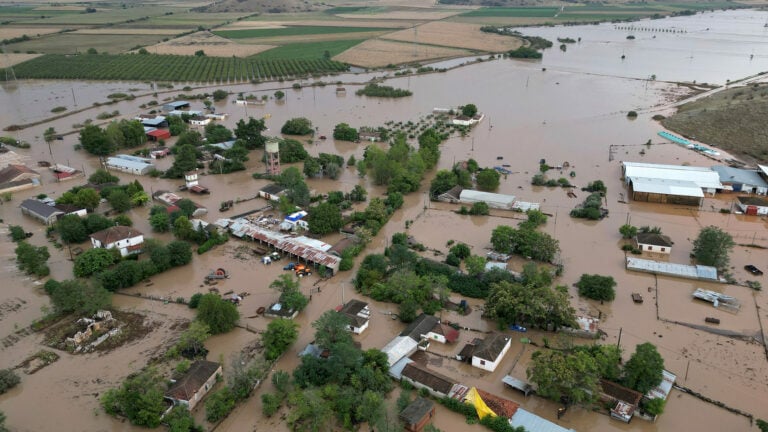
(618, 344)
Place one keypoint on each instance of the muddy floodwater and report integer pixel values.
(575, 111)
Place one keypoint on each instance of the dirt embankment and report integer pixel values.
(733, 120)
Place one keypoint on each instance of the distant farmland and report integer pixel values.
(294, 31)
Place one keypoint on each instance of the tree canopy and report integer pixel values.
(32, 259)
(297, 126)
(644, 369)
(525, 241)
(95, 141)
(325, 218)
(280, 334)
(220, 315)
(712, 247)
(139, 398)
(488, 179)
(469, 110)
(77, 296)
(597, 287)
(345, 132)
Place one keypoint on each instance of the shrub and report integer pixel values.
(270, 404)
(17, 233)
(8, 380)
(194, 300)
(632, 114)
(219, 405)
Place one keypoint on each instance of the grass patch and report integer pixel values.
(346, 9)
(536, 12)
(70, 43)
(307, 50)
(192, 19)
(294, 31)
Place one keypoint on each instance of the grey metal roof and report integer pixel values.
(420, 327)
(396, 370)
(176, 104)
(666, 187)
(128, 163)
(532, 422)
(399, 347)
(672, 269)
(738, 175)
(40, 208)
(703, 177)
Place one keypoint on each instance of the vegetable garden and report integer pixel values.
(176, 68)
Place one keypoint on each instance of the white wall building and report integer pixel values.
(489, 353)
(126, 239)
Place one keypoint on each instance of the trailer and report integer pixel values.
(219, 273)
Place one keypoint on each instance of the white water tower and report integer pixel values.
(272, 150)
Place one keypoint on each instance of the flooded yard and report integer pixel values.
(575, 111)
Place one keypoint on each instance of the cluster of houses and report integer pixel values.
(16, 176)
(688, 185)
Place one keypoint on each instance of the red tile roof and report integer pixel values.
(502, 407)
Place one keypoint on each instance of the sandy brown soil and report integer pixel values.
(128, 31)
(732, 119)
(10, 32)
(210, 43)
(458, 35)
(378, 52)
(241, 25)
(13, 59)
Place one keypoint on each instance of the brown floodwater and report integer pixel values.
(575, 111)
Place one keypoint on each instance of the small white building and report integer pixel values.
(656, 243)
(272, 192)
(199, 121)
(130, 164)
(489, 353)
(294, 221)
(359, 315)
(752, 205)
(125, 239)
(195, 384)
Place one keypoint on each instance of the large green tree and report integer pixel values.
(345, 132)
(712, 247)
(297, 126)
(644, 369)
(72, 229)
(280, 334)
(185, 161)
(94, 261)
(250, 132)
(119, 200)
(78, 296)
(32, 259)
(95, 141)
(561, 375)
(325, 218)
(140, 399)
(331, 328)
(220, 315)
(597, 287)
(488, 179)
(529, 304)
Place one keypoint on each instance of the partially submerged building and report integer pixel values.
(175, 105)
(624, 401)
(17, 177)
(672, 184)
(195, 384)
(494, 200)
(752, 205)
(358, 313)
(417, 414)
(41, 211)
(130, 164)
(700, 272)
(489, 353)
(652, 242)
(741, 180)
(272, 192)
(127, 240)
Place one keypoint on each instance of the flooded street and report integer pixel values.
(574, 111)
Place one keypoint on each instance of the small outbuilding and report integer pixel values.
(175, 105)
(418, 414)
(741, 180)
(652, 242)
(494, 200)
(195, 384)
(272, 192)
(358, 313)
(752, 205)
(199, 121)
(41, 211)
(158, 134)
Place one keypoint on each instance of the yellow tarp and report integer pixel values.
(473, 398)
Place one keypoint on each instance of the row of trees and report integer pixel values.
(129, 272)
(121, 134)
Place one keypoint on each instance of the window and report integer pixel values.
(650, 247)
(663, 249)
(482, 362)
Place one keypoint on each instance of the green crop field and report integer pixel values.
(107, 16)
(151, 67)
(535, 12)
(294, 31)
(346, 9)
(308, 50)
(29, 14)
(191, 20)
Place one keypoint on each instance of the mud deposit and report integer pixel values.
(561, 114)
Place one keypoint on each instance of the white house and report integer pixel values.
(195, 384)
(125, 239)
(651, 242)
(294, 221)
(358, 314)
(489, 353)
(442, 333)
(199, 121)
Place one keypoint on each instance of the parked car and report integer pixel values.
(289, 266)
(754, 270)
(519, 328)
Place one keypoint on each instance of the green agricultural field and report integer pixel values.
(346, 9)
(308, 50)
(70, 43)
(27, 13)
(294, 31)
(191, 20)
(151, 67)
(523, 12)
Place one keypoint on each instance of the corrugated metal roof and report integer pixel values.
(532, 422)
(738, 175)
(662, 390)
(396, 370)
(492, 199)
(132, 164)
(399, 347)
(703, 177)
(667, 187)
(672, 269)
(286, 243)
(764, 169)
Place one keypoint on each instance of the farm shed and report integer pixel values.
(226, 145)
(741, 180)
(532, 422)
(155, 121)
(158, 134)
(193, 386)
(674, 184)
(175, 105)
(671, 269)
(41, 211)
(494, 200)
(753, 205)
(130, 164)
(652, 242)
